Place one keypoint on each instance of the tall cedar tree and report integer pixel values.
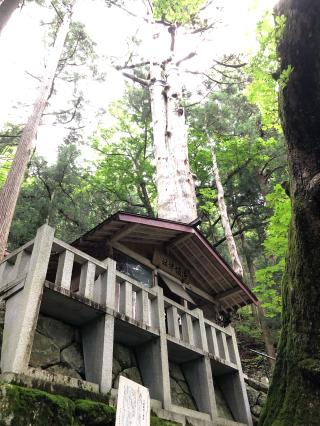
(10, 191)
(294, 396)
(7, 7)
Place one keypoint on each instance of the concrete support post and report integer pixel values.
(233, 387)
(199, 377)
(22, 309)
(160, 363)
(97, 339)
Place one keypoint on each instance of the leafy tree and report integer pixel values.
(275, 245)
(124, 173)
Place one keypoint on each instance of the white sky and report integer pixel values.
(22, 49)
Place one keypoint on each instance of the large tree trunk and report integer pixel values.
(232, 248)
(175, 185)
(7, 7)
(294, 396)
(10, 191)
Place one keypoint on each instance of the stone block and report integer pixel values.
(179, 397)
(131, 373)
(116, 368)
(253, 395)
(62, 334)
(73, 357)
(124, 355)
(44, 352)
(64, 370)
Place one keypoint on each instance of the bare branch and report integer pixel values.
(189, 56)
(132, 66)
(136, 79)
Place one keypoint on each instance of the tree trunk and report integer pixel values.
(7, 7)
(175, 185)
(232, 248)
(10, 191)
(294, 395)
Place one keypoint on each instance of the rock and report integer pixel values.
(73, 358)
(179, 397)
(65, 371)
(222, 405)
(256, 410)
(176, 372)
(184, 386)
(44, 352)
(116, 368)
(124, 355)
(253, 395)
(262, 399)
(62, 334)
(131, 373)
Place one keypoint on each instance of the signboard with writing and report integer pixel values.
(133, 404)
(167, 264)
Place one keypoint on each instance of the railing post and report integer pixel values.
(111, 283)
(126, 299)
(22, 308)
(87, 280)
(142, 307)
(64, 271)
(187, 329)
(173, 322)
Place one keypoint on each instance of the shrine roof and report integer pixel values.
(184, 242)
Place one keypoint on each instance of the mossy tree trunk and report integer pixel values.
(294, 396)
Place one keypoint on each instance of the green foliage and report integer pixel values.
(269, 278)
(176, 11)
(125, 171)
(263, 68)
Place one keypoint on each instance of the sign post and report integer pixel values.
(133, 404)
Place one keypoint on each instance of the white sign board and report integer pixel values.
(133, 404)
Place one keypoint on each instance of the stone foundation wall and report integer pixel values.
(180, 392)
(124, 364)
(57, 348)
(257, 396)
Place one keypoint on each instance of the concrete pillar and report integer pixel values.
(199, 377)
(98, 335)
(97, 340)
(22, 309)
(153, 357)
(234, 389)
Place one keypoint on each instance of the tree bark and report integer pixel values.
(10, 191)
(7, 7)
(232, 248)
(294, 395)
(175, 185)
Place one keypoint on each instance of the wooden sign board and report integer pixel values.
(168, 264)
(133, 404)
